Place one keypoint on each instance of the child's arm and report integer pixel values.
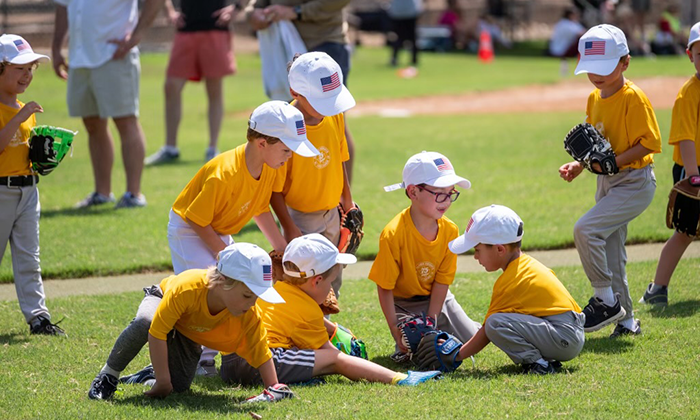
(291, 230)
(269, 228)
(60, 67)
(474, 345)
(346, 196)
(268, 373)
(437, 299)
(635, 152)
(690, 162)
(209, 236)
(571, 170)
(330, 326)
(159, 359)
(386, 301)
(9, 130)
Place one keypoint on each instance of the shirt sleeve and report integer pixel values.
(684, 120)
(202, 209)
(344, 152)
(169, 311)
(642, 126)
(385, 269)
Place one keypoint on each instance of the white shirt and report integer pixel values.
(565, 33)
(91, 23)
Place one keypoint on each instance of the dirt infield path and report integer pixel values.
(465, 264)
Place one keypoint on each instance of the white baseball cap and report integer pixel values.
(251, 265)
(314, 254)
(694, 35)
(601, 49)
(431, 168)
(282, 120)
(16, 50)
(318, 78)
(492, 225)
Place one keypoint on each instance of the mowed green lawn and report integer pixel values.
(650, 376)
(510, 159)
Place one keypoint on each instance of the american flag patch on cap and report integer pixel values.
(594, 48)
(331, 82)
(442, 164)
(301, 128)
(21, 44)
(267, 272)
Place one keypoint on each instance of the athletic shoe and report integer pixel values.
(207, 368)
(538, 369)
(103, 387)
(660, 297)
(163, 155)
(140, 377)
(45, 327)
(94, 199)
(273, 393)
(621, 331)
(599, 314)
(210, 154)
(130, 200)
(414, 378)
(556, 364)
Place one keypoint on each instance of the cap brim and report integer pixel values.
(599, 67)
(302, 148)
(462, 244)
(450, 180)
(30, 58)
(345, 259)
(268, 294)
(334, 105)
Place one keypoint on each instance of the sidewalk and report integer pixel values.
(465, 264)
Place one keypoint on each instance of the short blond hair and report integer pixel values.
(251, 135)
(215, 278)
(298, 281)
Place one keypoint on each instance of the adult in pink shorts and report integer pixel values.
(201, 50)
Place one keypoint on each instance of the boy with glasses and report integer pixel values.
(414, 267)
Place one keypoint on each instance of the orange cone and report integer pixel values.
(485, 47)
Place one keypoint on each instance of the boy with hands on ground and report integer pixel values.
(532, 317)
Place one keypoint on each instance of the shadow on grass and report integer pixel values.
(102, 210)
(13, 338)
(503, 370)
(682, 309)
(193, 401)
(606, 345)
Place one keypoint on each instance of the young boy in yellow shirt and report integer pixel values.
(214, 307)
(231, 189)
(621, 112)
(532, 317)
(297, 332)
(316, 84)
(685, 138)
(19, 195)
(414, 268)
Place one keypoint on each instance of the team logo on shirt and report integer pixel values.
(198, 329)
(425, 271)
(244, 208)
(17, 140)
(323, 158)
(601, 128)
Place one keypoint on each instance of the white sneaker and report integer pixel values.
(130, 200)
(207, 369)
(94, 199)
(163, 155)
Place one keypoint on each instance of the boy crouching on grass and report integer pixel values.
(213, 307)
(532, 317)
(296, 330)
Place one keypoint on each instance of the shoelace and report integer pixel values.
(53, 327)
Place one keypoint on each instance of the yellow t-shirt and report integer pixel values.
(184, 307)
(528, 287)
(14, 159)
(316, 183)
(625, 119)
(409, 264)
(685, 120)
(296, 323)
(224, 195)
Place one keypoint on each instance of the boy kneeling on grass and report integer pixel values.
(297, 332)
(214, 308)
(532, 317)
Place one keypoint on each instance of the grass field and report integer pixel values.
(650, 376)
(511, 159)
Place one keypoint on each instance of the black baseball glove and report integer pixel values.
(683, 209)
(586, 145)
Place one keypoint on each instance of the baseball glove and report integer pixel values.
(344, 340)
(438, 351)
(586, 145)
(277, 266)
(351, 224)
(330, 305)
(413, 327)
(683, 210)
(48, 146)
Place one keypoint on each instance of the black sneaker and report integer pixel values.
(140, 377)
(556, 364)
(538, 369)
(599, 314)
(45, 327)
(621, 331)
(103, 387)
(660, 297)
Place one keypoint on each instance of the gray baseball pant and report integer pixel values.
(527, 338)
(600, 234)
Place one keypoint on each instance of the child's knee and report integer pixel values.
(581, 229)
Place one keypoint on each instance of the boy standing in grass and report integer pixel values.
(621, 112)
(297, 332)
(685, 138)
(316, 84)
(234, 187)
(212, 307)
(532, 317)
(414, 268)
(19, 196)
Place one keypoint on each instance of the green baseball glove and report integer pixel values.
(48, 146)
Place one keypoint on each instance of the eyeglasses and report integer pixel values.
(442, 197)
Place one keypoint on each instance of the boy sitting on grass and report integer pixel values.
(297, 332)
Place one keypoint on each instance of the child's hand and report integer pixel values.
(28, 110)
(397, 338)
(571, 170)
(160, 390)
